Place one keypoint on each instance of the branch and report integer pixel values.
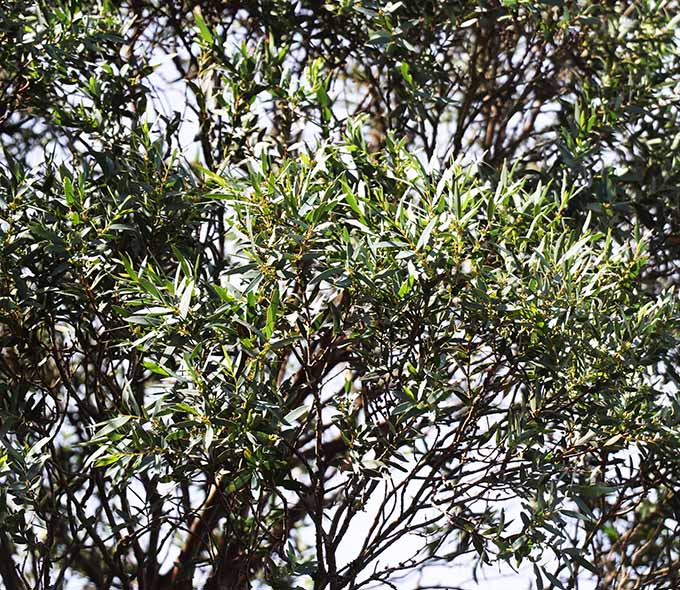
(8, 570)
(198, 533)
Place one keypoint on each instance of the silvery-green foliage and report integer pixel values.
(325, 294)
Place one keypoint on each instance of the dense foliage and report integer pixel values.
(328, 294)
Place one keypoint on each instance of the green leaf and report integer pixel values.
(577, 555)
(327, 274)
(405, 286)
(539, 578)
(203, 29)
(185, 301)
(553, 579)
(155, 368)
(238, 482)
(594, 490)
(272, 312)
(110, 426)
(425, 236)
(351, 199)
(186, 408)
(68, 192)
(293, 416)
(380, 38)
(108, 460)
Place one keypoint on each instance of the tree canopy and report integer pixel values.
(336, 294)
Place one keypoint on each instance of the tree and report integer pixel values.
(325, 294)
